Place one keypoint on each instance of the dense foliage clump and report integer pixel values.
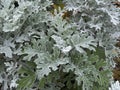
(57, 44)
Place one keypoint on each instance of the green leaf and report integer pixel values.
(26, 82)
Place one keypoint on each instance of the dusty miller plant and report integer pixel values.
(42, 51)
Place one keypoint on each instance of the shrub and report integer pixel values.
(43, 49)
